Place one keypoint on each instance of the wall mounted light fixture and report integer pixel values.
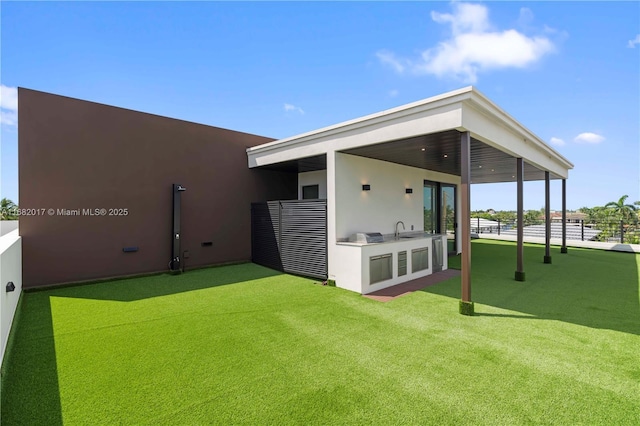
(408, 191)
(366, 187)
(10, 286)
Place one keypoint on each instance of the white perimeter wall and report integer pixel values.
(10, 270)
(7, 226)
(386, 203)
(318, 177)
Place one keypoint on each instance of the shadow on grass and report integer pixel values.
(131, 289)
(594, 288)
(30, 390)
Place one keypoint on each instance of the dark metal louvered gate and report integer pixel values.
(290, 236)
(265, 234)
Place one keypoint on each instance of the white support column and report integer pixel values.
(331, 215)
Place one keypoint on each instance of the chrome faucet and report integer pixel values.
(403, 228)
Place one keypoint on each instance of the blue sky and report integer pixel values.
(568, 71)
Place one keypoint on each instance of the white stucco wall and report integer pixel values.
(346, 266)
(10, 270)
(318, 177)
(7, 226)
(386, 203)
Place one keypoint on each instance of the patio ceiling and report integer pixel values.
(301, 165)
(438, 151)
(441, 152)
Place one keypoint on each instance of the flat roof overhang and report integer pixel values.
(425, 134)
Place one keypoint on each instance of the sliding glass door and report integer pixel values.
(431, 207)
(440, 211)
(448, 214)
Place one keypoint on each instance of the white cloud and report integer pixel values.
(467, 18)
(588, 137)
(526, 17)
(8, 105)
(632, 43)
(474, 46)
(290, 107)
(393, 93)
(9, 118)
(388, 58)
(557, 141)
(8, 98)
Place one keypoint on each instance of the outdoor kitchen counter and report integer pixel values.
(390, 238)
(368, 267)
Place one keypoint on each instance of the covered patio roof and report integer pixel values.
(425, 134)
(460, 133)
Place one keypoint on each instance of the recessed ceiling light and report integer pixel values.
(493, 170)
(512, 176)
(423, 149)
(479, 167)
(445, 156)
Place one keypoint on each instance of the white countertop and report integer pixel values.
(391, 238)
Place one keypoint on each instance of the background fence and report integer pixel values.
(606, 231)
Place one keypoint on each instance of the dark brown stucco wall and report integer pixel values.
(75, 154)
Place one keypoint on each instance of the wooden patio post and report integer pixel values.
(547, 218)
(563, 249)
(466, 305)
(520, 180)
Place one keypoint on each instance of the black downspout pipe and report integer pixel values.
(175, 266)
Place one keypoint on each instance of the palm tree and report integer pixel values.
(8, 210)
(595, 214)
(625, 211)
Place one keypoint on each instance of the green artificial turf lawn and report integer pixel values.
(243, 344)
